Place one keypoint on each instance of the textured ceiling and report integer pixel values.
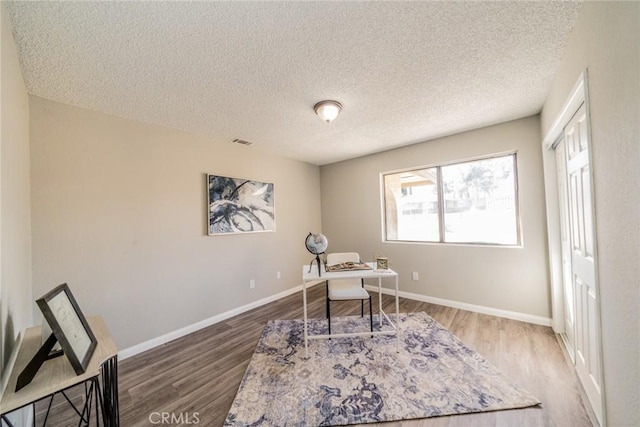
(405, 72)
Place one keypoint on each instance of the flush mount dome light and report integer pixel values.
(327, 110)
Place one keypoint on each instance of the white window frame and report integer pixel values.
(441, 213)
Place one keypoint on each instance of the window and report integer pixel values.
(468, 202)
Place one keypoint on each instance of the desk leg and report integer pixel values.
(304, 311)
(397, 319)
(380, 302)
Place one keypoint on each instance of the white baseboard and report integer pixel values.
(22, 416)
(514, 315)
(29, 416)
(148, 345)
(4, 381)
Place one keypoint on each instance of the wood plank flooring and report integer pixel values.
(200, 373)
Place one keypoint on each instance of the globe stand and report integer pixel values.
(317, 260)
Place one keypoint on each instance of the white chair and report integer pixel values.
(346, 289)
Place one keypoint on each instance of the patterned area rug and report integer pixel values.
(363, 380)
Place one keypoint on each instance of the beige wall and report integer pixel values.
(513, 279)
(15, 229)
(606, 41)
(119, 212)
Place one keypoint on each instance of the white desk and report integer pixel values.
(310, 276)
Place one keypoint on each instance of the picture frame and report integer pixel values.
(46, 333)
(69, 325)
(237, 205)
(382, 263)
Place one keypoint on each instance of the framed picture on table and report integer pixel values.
(382, 263)
(69, 326)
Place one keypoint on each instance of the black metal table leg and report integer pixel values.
(110, 407)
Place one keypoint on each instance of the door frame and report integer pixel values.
(578, 95)
(560, 144)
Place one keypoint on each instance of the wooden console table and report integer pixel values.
(57, 375)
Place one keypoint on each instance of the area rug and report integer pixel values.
(364, 380)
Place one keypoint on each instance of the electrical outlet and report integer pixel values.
(252, 284)
(414, 275)
(277, 274)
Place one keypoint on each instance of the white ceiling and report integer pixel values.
(405, 72)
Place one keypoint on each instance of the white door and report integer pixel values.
(565, 241)
(583, 271)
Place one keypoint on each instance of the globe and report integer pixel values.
(316, 243)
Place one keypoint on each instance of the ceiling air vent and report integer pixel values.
(242, 141)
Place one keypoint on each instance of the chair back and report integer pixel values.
(337, 258)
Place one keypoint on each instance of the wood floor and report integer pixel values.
(200, 373)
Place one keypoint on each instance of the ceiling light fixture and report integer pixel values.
(327, 110)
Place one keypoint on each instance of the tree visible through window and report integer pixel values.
(468, 202)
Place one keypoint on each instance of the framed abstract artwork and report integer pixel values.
(238, 205)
